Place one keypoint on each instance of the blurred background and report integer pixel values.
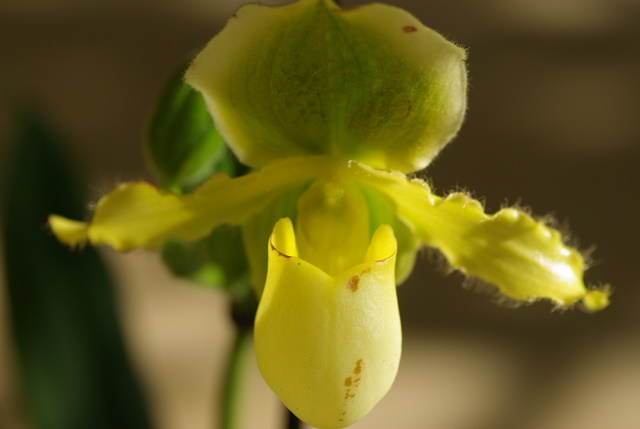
(553, 124)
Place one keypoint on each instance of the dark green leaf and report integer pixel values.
(217, 260)
(186, 149)
(182, 143)
(73, 365)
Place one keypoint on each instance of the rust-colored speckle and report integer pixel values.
(409, 29)
(352, 284)
(352, 383)
(192, 64)
(409, 107)
(340, 420)
(358, 369)
(279, 252)
(365, 271)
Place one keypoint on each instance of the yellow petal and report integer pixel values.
(139, 214)
(523, 257)
(329, 347)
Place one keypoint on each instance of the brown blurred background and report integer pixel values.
(553, 124)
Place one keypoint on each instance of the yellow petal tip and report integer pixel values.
(383, 244)
(283, 239)
(69, 232)
(596, 300)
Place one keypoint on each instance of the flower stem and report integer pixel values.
(234, 377)
(293, 422)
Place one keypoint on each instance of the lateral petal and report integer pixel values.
(140, 215)
(524, 258)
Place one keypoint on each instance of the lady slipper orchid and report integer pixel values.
(331, 108)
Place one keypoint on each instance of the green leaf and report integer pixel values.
(217, 260)
(185, 149)
(182, 143)
(73, 364)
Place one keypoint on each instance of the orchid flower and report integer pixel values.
(332, 109)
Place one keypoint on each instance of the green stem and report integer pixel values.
(234, 378)
(293, 422)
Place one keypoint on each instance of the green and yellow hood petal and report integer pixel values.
(371, 84)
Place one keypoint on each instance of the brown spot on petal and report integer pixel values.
(352, 284)
(358, 369)
(351, 383)
(409, 29)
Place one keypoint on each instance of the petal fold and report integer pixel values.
(329, 347)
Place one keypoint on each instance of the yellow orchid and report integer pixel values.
(332, 108)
